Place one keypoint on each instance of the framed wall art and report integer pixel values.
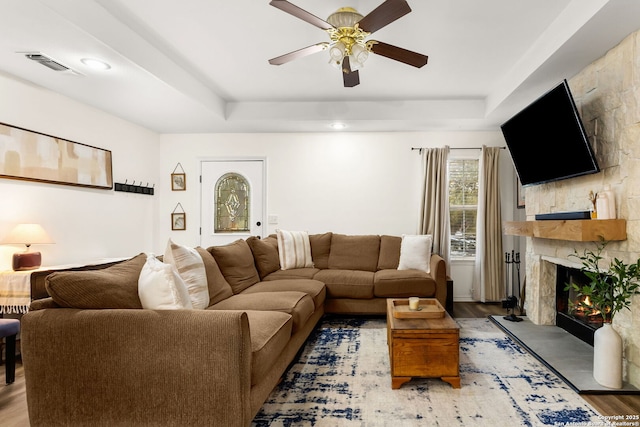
(178, 221)
(178, 179)
(34, 156)
(519, 194)
(178, 218)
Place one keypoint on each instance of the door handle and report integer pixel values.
(258, 223)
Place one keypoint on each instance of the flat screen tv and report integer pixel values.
(547, 140)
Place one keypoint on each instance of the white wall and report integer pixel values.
(352, 183)
(86, 224)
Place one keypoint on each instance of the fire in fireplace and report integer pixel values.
(575, 314)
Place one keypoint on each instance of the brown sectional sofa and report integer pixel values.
(360, 272)
(93, 356)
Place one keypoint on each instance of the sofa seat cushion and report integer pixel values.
(270, 333)
(296, 273)
(314, 288)
(403, 283)
(297, 304)
(347, 283)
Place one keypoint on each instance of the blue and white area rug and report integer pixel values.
(342, 379)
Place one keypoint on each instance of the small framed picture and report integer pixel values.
(179, 221)
(519, 195)
(178, 182)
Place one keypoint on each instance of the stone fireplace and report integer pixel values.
(607, 93)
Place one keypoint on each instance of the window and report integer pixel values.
(463, 206)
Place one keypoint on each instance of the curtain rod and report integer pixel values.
(457, 148)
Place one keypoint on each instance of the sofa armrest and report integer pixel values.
(439, 274)
(137, 367)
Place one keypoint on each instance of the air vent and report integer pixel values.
(47, 62)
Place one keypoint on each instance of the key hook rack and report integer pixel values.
(133, 188)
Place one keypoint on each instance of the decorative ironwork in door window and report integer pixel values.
(231, 200)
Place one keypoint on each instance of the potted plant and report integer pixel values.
(609, 291)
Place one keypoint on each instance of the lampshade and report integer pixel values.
(27, 234)
(359, 54)
(337, 52)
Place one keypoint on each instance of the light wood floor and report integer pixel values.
(13, 398)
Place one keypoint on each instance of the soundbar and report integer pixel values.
(564, 215)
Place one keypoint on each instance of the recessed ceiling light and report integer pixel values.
(338, 125)
(96, 64)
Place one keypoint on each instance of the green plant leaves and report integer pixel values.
(609, 290)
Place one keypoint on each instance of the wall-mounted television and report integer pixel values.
(547, 140)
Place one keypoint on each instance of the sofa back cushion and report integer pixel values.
(219, 288)
(265, 254)
(236, 264)
(354, 252)
(320, 249)
(112, 287)
(389, 252)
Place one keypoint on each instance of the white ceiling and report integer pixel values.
(202, 65)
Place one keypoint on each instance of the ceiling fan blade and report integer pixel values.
(287, 57)
(384, 14)
(418, 60)
(299, 13)
(349, 77)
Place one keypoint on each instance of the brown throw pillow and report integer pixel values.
(320, 249)
(389, 252)
(236, 263)
(219, 288)
(265, 254)
(112, 287)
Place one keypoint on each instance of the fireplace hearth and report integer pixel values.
(571, 313)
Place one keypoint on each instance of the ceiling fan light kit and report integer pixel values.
(348, 31)
(344, 17)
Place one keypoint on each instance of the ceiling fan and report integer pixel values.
(348, 31)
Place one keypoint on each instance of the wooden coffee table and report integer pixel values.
(423, 347)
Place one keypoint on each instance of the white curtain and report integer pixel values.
(434, 212)
(489, 268)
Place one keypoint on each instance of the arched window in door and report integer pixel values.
(232, 204)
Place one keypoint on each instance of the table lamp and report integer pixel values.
(27, 234)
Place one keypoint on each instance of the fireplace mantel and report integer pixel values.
(573, 230)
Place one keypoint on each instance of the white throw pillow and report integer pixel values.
(190, 267)
(160, 286)
(294, 249)
(415, 252)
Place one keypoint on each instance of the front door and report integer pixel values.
(232, 200)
